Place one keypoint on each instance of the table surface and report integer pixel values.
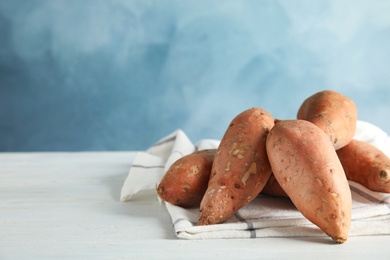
(66, 205)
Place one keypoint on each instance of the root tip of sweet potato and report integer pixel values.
(384, 175)
(202, 222)
(160, 191)
(206, 220)
(339, 239)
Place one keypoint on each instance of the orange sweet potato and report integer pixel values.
(306, 166)
(334, 113)
(364, 163)
(240, 169)
(185, 182)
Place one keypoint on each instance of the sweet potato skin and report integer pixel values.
(306, 166)
(333, 112)
(240, 169)
(185, 182)
(364, 163)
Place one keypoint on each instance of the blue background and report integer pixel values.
(119, 75)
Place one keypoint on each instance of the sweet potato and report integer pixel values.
(364, 163)
(240, 169)
(334, 113)
(306, 166)
(185, 182)
(273, 188)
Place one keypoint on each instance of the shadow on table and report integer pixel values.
(144, 204)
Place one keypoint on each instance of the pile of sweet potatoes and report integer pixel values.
(308, 159)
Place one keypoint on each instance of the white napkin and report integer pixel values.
(264, 216)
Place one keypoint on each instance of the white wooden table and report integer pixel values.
(66, 205)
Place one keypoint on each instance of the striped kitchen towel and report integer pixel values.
(265, 216)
